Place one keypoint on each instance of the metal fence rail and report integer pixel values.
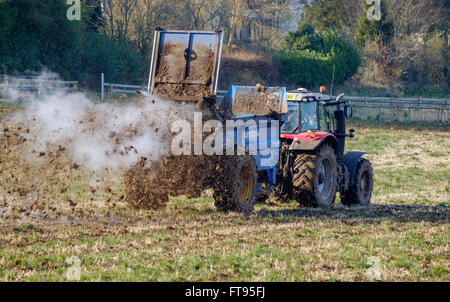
(376, 108)
(34, 84)
(401, 109)
(124, 89)
(396, 109)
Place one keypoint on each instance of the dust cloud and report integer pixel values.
(97, 135)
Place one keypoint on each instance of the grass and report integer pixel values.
(406, 227)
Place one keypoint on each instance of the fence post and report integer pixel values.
(443, 108)
(367, 107)
(103, 86)
(420, 109)
(378, 110)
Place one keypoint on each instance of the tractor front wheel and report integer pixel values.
(360, 192)
(315, 177)
(235, 189)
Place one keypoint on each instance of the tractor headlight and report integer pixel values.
(311, 99)
(304, 100)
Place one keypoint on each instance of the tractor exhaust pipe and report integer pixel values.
(339, 116)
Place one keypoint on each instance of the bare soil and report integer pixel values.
(257, 103)
(175, 82)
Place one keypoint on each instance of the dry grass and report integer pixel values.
(51, 211)
(242, 68)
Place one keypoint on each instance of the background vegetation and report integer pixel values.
(36, 35)
(325, 55)
(406, 52)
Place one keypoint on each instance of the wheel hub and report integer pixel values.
(245, 184)
(324, 181)
(364, 185)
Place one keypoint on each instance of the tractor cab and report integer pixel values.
(306, 112)
(314, 117)
(311, 112)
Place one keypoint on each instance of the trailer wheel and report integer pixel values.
(315, 177)
(360, 192)
(235, 189)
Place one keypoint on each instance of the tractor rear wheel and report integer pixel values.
(360, 192)
(315, 177)
(235, 189)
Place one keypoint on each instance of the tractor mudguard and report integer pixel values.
(305, 145)
(351, 160)
(304, 142)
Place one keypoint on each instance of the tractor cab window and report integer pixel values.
(332, 122)
(293, 121)
(309, 116)
(324, 119)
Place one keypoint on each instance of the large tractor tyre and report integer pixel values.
(315, 178)
(235, 189)
(360, 192)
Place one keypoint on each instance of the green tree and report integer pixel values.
(36, 34)
(335, 14)
(374, 30)
(92, 13)
(309, 57)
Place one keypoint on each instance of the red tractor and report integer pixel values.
(313, 164)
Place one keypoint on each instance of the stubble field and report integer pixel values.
(55, 217)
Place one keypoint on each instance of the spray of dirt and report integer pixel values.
(99, 135)
(94, 136)
(148, 185)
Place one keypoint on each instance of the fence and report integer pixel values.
(34, 84)
(364, 108)
(122, 89)
(401, 109)
(396, 109)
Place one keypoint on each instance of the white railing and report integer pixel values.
(380, 108)
(121, 88)
(34, 84)
(401, 109)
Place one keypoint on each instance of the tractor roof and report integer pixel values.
(304, 96)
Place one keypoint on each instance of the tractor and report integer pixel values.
(303, 159)
(313, 164)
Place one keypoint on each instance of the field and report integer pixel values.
(51, 211)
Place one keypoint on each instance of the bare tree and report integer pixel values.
(413, 20)
(108, 13)
(243, 20)
(201, 12)
(125, 9)
(236, 8)
(149, 14)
